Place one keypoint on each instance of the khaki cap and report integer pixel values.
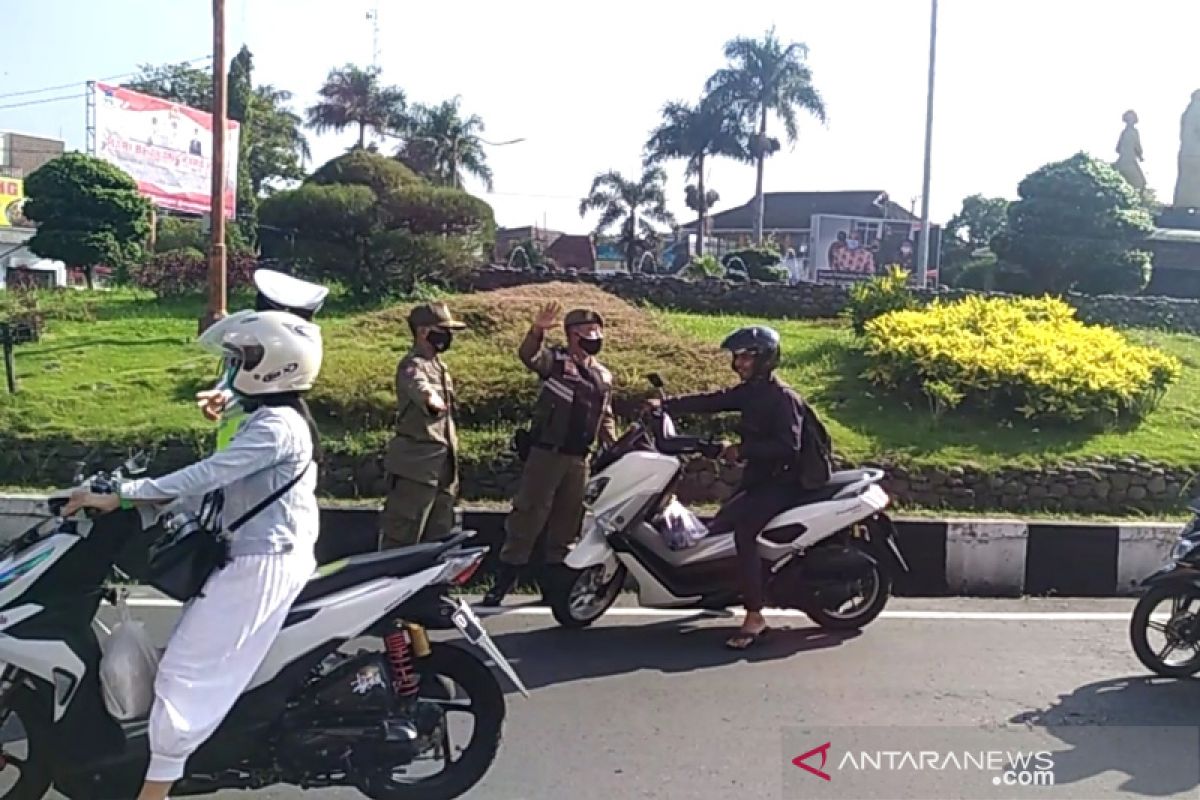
(583, 316)
(433, 315)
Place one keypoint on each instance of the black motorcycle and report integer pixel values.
(1176, 583)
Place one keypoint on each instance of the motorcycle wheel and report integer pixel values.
(877, 594)
(583, 599)
(34, 778)
(447, 665)
(1140, 624)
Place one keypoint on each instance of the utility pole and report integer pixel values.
(923, 249)
(216, 260)
(373, 15)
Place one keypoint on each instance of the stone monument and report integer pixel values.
(1187, 185)
(1129, 153)
(1176, 242)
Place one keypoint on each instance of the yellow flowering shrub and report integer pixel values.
(1024, 356)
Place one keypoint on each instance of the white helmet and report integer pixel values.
(268, 352)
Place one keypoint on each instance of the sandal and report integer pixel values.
(742, 640)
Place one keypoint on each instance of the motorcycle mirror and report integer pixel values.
(655, 380)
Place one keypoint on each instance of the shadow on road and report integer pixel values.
(550, 656)
(1159, 748)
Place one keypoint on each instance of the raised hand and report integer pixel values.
(547, 316)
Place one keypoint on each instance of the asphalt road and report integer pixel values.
(646, 706)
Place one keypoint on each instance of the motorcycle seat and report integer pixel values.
(355, 570)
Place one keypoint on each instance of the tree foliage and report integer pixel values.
(354, 97)
(367, 221)
(442, 146)
(88, 213)
(765, 77)
(695, 133)
(1079, 226)
(974, 227)
(635, 204)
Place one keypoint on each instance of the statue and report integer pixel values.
(1187, 185)
(1129, 153)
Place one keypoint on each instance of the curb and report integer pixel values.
(950, 557)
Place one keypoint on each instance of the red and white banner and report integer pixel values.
(165, 147)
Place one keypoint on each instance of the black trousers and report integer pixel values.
(746, 514)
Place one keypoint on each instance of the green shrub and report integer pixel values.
(878, 296)
(702, 267)
(1017, 357)
(762, 264)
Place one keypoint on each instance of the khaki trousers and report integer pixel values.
(550, 498)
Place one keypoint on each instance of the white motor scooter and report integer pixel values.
(831, 555)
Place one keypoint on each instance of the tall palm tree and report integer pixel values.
(353, 96)
(633, 203)
(441, 145)
(764, 77)
(696, 133)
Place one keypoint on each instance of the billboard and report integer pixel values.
(165, 147)
(849, 249)
(12, 197)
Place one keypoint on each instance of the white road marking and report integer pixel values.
(666, 613)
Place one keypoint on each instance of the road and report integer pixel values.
(643, 706)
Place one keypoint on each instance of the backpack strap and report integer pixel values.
(278, 493)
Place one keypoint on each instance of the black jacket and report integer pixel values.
(782, 439)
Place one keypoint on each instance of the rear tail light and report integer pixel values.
(463, 577)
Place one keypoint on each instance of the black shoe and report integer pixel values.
(506, 577)
(553, 577)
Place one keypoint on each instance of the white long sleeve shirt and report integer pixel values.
(270, 448)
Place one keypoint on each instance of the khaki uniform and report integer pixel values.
(421, 461)
(573, 409)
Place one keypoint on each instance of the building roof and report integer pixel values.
(572, 250)
(793, 210)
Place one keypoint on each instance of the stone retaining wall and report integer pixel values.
(1098, 486)
(809, 301)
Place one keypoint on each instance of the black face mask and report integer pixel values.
(591, 346)
(439, 340)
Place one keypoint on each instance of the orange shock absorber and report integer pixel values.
(399, 652)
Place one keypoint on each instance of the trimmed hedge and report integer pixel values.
(1025, 357)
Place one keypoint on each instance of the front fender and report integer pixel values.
(1172, 574)
(593, 549)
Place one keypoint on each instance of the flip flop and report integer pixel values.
(746, 640)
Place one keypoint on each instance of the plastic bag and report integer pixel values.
(128, 666)
(681, 527)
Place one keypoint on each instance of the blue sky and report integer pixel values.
(1020, 82)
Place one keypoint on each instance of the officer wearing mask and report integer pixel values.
(785, 448)
(573, 410)
(276, 291)
(422, 459)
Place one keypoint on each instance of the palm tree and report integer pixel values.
(764, 77)
(441, 145)
(695, 133)
(353, 96)
(634, 204)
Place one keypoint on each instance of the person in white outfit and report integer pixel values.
(223, 635)
(276, 291)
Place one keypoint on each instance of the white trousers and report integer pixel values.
(218, 645)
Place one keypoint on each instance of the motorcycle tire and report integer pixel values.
(829, 621)
(34, 782)
(488, 711)
(560, 599)
(1139, 623)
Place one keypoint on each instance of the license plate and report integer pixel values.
(895, 549)
(473, 631)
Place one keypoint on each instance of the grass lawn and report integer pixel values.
(821, 363)
(121, 368)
